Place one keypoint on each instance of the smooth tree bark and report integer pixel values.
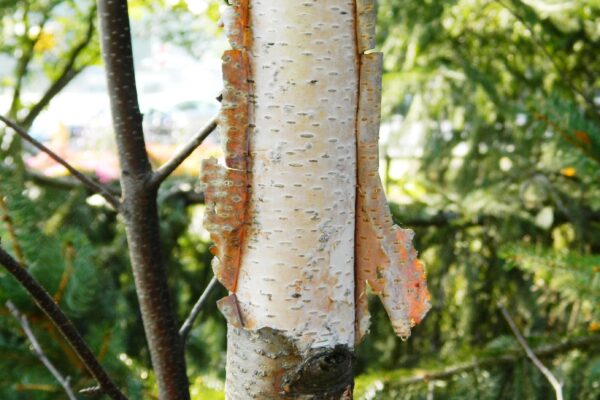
(297, 214)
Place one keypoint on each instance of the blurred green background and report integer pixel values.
(490, 152)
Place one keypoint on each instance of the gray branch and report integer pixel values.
(167, 169)
(68, 72)
(37, 350)
(531, 355)
(189, 322)
(510, 357)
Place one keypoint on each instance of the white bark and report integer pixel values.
(297, 270)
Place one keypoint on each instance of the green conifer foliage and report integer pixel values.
(504, 195)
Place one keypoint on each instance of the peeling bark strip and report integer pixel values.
(226, 188)
(231, 311)
(366, 12)
(234, 116)
(235, 23)
(385, 257)
(225, 194)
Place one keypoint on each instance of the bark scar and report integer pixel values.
(385, 257)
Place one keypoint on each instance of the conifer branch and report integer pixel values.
(189, 322)
(39, 353)
(531, 355)
(95, 187)
(489, 362)
(559, 67)
(167, 169)
(46, 303)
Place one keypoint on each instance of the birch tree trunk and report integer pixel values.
(283, 211)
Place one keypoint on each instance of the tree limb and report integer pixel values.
(37, 350)
(46, 303)
(167, 169)
(531, 355)
(189, 322)
(140, 208)
(95, 187)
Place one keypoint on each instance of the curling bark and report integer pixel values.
(298, 213)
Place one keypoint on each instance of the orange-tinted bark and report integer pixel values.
(385, 257)
(234, 117)
(226, 195)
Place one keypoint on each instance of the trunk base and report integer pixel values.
(267, 365)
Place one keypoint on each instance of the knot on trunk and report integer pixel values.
(324, 373)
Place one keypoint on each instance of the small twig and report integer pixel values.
(69, 71)
(46, 303)
(187, 325)
(91, 391)
(167, 169)
(536, 361)
(95, 187)
(12, 232)
(37, 350)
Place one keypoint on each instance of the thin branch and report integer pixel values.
(451, 371)
(95, 187)
(189, 322)
(37, 350)
(91, 391)
(167, 169)
(68, 72)
(46, 303)
(66, 183)
(22, 67)
(536, 361)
